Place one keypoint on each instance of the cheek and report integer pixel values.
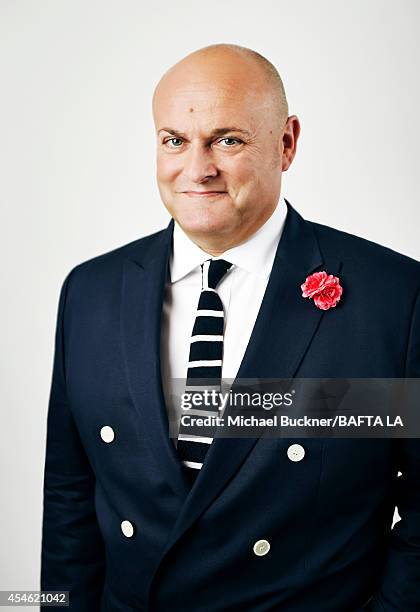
(167, 168)
(241, 178)
(239, 168)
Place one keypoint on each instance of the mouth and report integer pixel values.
(203, 194)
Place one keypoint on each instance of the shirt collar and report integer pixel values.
(256, 255)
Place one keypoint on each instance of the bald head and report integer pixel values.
(240, 66)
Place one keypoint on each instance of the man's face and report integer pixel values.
(219, 153)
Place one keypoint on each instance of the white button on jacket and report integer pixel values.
(296, 452)
(127, 529)
(261, 547)
(107, 433)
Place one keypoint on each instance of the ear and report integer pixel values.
(291, 133)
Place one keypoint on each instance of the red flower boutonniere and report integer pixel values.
(323, 288)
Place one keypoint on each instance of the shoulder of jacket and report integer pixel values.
(370, 256)
(112, 260)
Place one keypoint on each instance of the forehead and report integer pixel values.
(206, 106)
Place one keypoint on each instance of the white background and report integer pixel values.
(77, 164)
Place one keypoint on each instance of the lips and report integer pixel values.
(203, 194)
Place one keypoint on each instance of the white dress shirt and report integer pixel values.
(244, 284)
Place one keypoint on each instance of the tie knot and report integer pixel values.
(214, 272)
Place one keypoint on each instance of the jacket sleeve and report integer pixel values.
(73, 555)
(400, 588)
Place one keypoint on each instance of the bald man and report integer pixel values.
(140, 512)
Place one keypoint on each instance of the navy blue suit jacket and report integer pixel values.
(328, 517)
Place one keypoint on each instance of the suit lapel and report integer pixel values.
(282, 333)
(144, 278)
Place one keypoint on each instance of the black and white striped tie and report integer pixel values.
(205, 361)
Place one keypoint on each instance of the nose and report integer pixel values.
(199, 165)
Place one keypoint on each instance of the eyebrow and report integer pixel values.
(213, 133)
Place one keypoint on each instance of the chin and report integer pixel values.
(204, 222)
(203, 227)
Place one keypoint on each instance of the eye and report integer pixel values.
(173, 143)
(229, 142)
